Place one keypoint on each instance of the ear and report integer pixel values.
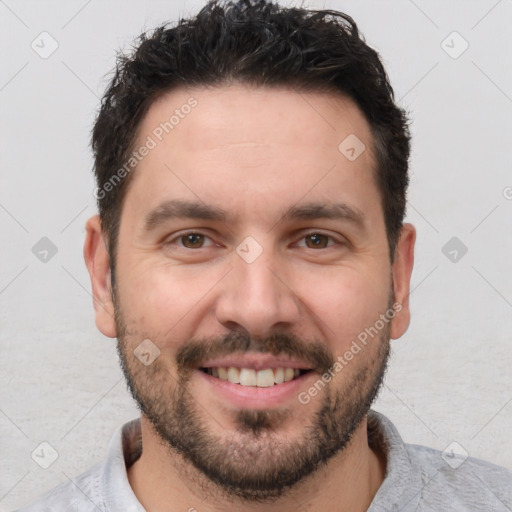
(402, 270)
(97, 261)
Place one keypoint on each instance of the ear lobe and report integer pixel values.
(402, 270)
(97, 261)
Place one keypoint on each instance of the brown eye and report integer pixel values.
(188, 241)
(317, 241)
(192, 240)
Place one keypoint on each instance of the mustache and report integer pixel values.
(194, 352)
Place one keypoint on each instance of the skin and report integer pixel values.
(253, 152)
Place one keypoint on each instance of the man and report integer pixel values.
(251, 258)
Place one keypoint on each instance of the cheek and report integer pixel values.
(345, 303)
(165, 299)
(169, 303)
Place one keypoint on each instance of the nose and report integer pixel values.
(257, 297)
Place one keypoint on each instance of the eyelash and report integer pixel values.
(182, 235)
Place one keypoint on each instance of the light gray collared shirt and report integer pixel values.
(418, 479)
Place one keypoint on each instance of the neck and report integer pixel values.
(164, 481)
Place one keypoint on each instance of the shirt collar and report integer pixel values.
(124, 449)
(401, 486)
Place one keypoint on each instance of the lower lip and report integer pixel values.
(253, 397)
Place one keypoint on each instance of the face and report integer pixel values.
(252, 249)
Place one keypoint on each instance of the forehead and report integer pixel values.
(242, 113)
(244, 146)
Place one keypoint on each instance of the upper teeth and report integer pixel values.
(250, 377)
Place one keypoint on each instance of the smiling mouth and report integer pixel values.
(263, 378)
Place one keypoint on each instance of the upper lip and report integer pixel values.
(256, 362)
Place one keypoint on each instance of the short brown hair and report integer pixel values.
(259, 43)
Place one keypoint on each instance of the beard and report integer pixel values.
(256, 462)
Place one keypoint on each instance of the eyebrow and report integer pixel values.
(180, 209)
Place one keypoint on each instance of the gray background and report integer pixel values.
(449, 378)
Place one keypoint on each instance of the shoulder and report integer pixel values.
(105, 486)
(81, 494)
(423, 479)
(453, 480)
